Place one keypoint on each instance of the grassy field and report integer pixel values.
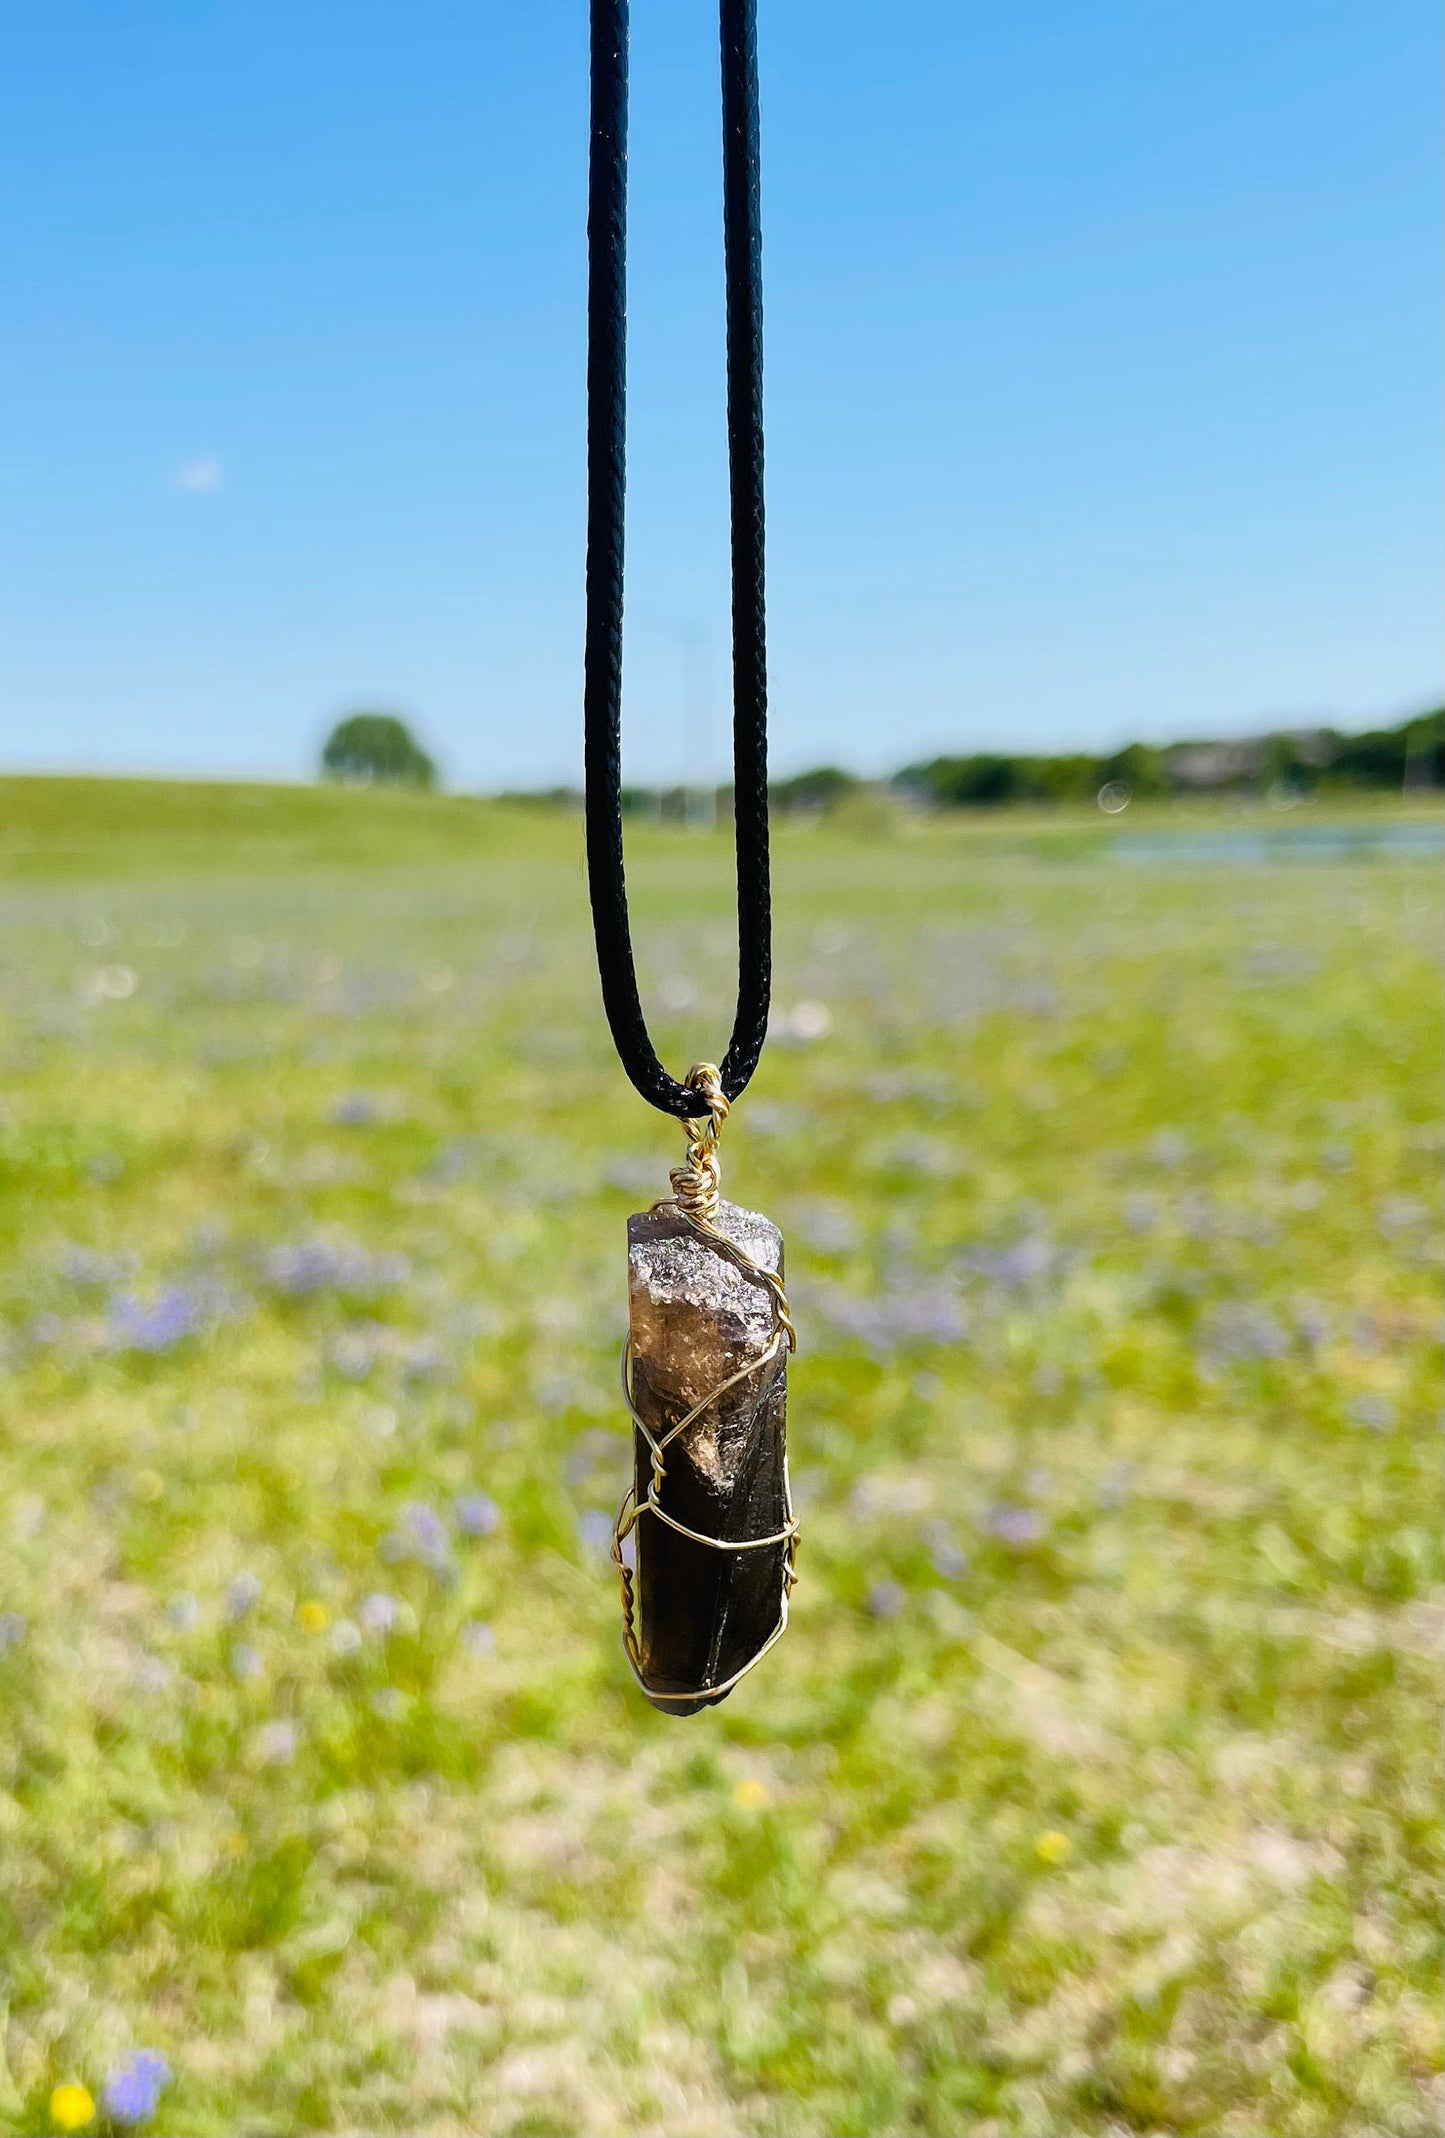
(1096, 1786)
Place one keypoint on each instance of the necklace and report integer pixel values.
(705, 1541)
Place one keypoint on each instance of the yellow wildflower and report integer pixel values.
(750, 1793)
(314, 1616)
(71, 2107)
(1053, 1846)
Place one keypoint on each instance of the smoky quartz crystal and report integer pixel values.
(703, 1614)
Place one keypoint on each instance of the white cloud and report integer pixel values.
(201, 475)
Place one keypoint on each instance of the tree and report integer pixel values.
(1139, 766)
(376, 749)
(819, 789)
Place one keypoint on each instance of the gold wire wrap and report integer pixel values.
(695, 1190)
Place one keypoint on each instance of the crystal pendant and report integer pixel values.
(705, 1538)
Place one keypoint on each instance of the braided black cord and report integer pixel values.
(606, 496)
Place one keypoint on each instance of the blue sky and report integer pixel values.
(1102, 358)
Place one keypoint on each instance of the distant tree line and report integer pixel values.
(1290, 762)
(1293, 762)
(376, 747)
(1296, 761)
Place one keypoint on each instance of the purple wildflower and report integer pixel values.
(427, 1533)
(635, 1176)
(884, 1600)
(358, 1348)
(1116, 1484)
(595, 1530)
(929, 1157)
(1238, 1330)
(1313, 1323)
(478, 1638)
(948, 1560)
(276, 1743)
(12, 1630)
(422, 1359)
(455, 1160)
(300, 1267)
(1025, 1262)
(1365, 1335)
(153, 1325)
(87, 1265)
(1198, 1218)
(592, 1451)
(558, 1391)
(132, 2092)
(1399, 1213)
(1016, 1525)
(477, 1513)
(355, 1109)
(242, 1596)
(876, 1493)
(1375, 1413)
(379, 1613)
(766, 1119)
(388, 1270)
(917, 1313)
(246, 1662)
(826, 1227)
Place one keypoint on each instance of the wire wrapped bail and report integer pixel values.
(696, 1183)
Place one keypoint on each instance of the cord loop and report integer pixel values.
(606, 516)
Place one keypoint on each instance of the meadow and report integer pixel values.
(1096, 1785)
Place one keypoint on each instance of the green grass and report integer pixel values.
(1095, 1787)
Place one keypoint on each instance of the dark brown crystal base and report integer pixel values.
(702, 1614)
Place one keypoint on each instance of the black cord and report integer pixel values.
(606, 498)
